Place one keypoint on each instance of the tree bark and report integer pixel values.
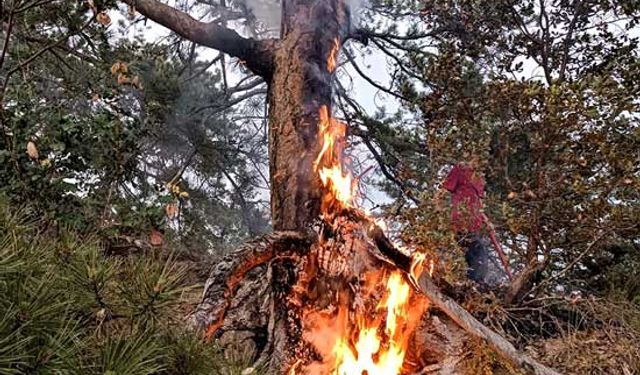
(295, 67)
(257, 54)
(300, 85)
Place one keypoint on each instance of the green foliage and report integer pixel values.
(113, 118)
(68, 309)
(137, 355)
(545, 98)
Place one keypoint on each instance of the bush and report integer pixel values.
(66, 308)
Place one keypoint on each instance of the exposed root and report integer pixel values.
(321, 275)
(226, 276)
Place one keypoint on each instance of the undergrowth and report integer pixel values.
(66, 308)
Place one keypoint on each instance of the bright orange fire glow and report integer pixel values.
(418, 261)
(375, 345)
(372, 343)
(332, 60)
(328, 164)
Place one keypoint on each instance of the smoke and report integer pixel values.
(268, 12)
(356, 7)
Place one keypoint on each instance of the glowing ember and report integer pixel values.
(332, 60)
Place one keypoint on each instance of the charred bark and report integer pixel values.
(255, 297)
(295, 68)
(258, 296)
(301, 84)
(236, 268)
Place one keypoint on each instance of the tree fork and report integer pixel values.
(295, 68)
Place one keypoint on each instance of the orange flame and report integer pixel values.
(418, 261)
(376, 346)
(372, 344)
(332, 60)
(339, 183)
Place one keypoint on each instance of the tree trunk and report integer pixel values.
(296, 70)
(299, 86)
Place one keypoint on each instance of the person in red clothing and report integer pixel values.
(467, 219)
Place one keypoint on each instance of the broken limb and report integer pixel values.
(452, 309)
(474, 327)
(397, 257)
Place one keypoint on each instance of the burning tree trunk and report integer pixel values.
(299, 87)
(328, 292)
(296, 69)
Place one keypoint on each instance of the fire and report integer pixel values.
(329, 164)
(375, 346)
(418, 261)
(374, 342)
(332, 60)
(338, 182)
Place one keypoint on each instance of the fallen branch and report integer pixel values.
(470, 324)
(233, 269)
(456, 312)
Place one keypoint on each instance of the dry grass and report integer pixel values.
(611, 344)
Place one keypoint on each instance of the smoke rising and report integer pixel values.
(268, 12)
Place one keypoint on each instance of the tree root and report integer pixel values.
(228, 273)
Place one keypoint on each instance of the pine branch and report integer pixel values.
(258, 55)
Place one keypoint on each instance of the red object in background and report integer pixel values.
(467, 191)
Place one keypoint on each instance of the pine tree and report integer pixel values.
(67, 308)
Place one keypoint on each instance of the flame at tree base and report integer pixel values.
(352, 340)
(374, 352)
(368, 330)
(372, 340)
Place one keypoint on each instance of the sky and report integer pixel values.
(376, 65)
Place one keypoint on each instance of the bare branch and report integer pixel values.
(5, 46)
(371, 81)
(226, 105)
(577, 7)
(204, 68)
